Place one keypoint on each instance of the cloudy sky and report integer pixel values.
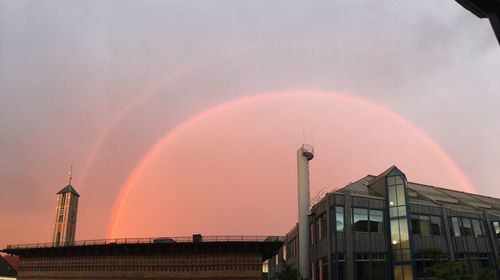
(95, 84)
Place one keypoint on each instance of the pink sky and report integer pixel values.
(97, 84)
(231, 170)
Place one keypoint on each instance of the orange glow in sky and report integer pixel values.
(231, 169)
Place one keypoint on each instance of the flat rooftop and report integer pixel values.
(267, 246)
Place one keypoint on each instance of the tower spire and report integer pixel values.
(70, 173)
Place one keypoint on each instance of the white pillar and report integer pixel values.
(304, 155)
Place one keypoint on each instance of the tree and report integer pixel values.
(288, 273)
(454, 270)
(484, 273)
(451, 270)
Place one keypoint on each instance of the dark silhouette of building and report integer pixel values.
(485, 9)
(7, 271)
(380, 227)
(197, 257)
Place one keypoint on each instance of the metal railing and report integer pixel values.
(151, 240)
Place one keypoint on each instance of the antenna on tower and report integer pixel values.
(307, 137)
(70, 173)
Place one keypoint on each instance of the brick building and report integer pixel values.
(226, 257)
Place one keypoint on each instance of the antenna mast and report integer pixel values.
(70, 173)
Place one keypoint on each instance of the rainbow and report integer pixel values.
(143, 163)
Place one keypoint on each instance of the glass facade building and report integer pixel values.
(382, 227)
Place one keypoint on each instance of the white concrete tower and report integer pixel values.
(66, 210)
(304, 155)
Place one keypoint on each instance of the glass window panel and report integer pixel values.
(342, 270)
(407, 272)
(435, 225)
(391, 181)
(456, 227)
(425, 225)
(398, 255)
(376, 221)
(393, 211)
(398, 272)
(402, 211)
(496, 226)
(399, 180)
(340, 218)
(362, 269)
(467, 227)
(378, 270)
(400, 190)
(478, 229)
(405, 255)
(360, 219)
(396, 241)
(415, 225)
(392, 195)
(404, 236)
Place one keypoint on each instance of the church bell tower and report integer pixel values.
(66, 211)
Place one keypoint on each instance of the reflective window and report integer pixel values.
(467, 227)
(425, 225)
(362, 269)
(400, 240)
(401, 194)
(396, 195)
(415, 224)
(340, 218)
(403, 229)
(456, 227)
(360, 219)
(402, 272)
(378, 270)
(400, 237)
(376, 221)
(392, 195)
(478, 228)
(435, 225)
(496, 228)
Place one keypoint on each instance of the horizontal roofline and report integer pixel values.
(147, 240)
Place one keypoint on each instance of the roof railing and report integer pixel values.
(151, 240)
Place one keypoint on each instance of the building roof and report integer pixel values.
(68, 189)
(13, 260)
(266, 246)
(6, 270)
(481, 8)
(425, 194)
